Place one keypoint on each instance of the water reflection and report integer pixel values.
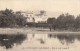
(65, 38)
(8, 41)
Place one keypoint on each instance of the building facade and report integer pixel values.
(38, 17)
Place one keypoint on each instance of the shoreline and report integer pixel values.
(30, 30)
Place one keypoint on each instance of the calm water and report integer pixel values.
(8, 41)
(21, 41)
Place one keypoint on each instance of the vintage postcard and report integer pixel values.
(39, 25)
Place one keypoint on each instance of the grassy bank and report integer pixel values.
(32, 30)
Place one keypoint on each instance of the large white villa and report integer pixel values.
(35, 16)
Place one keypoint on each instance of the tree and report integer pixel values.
(52, 22)
(61, 21)
(20, 19)
(77, 22)
(69, 21)
(7, 18)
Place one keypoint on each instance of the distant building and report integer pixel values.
(37, 17)
(30, 16)
(41, 16)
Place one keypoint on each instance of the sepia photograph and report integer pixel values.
(39, 25)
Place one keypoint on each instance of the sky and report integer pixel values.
(54, 7)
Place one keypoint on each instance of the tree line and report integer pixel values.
(9, 18)
(65, 22)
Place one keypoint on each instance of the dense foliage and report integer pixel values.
(10, 19)
(65, 22)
